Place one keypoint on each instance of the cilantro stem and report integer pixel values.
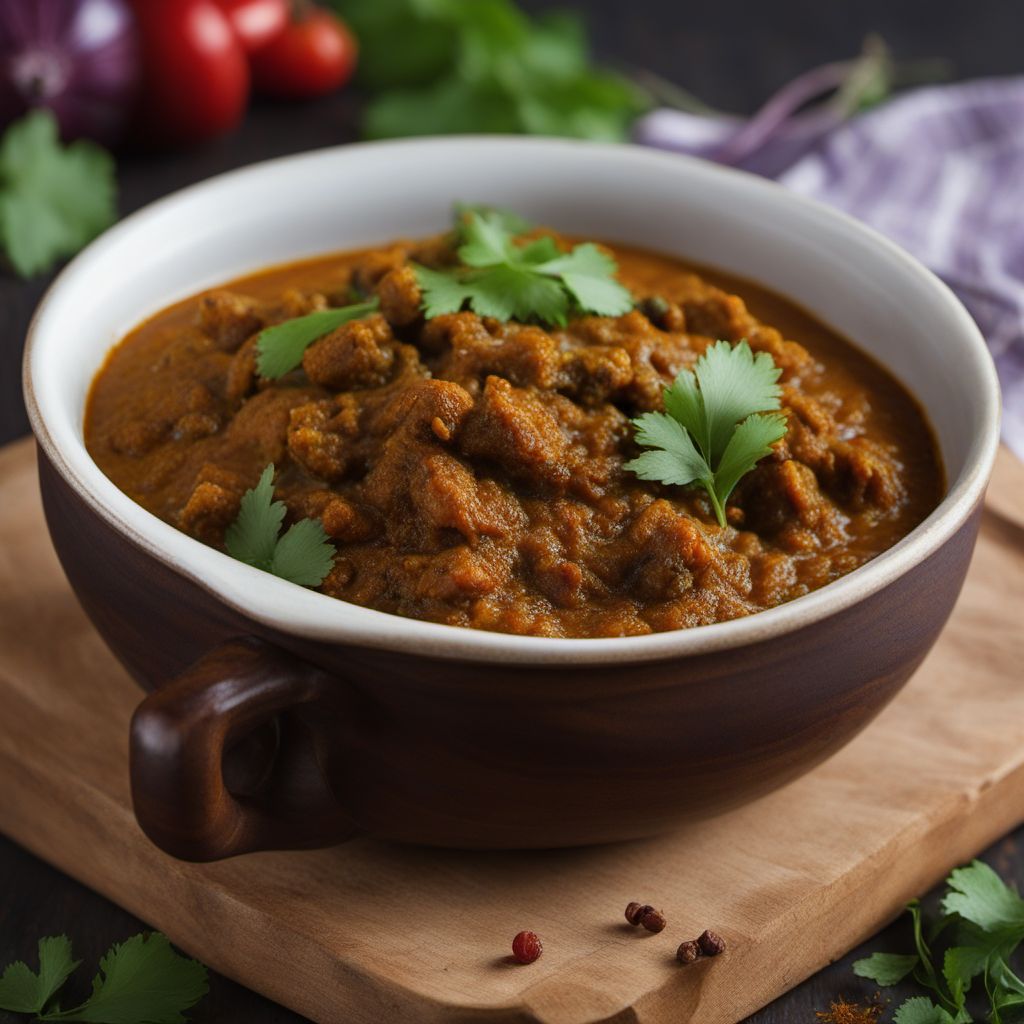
(708, 484)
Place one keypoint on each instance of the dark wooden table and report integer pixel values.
(732, 53)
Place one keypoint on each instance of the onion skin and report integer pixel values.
(79, 58)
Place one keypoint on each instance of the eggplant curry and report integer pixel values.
(501, 429)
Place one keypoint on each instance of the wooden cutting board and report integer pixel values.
(371, 932)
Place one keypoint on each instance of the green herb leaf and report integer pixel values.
(960, 965)
(733, 383)
(303, 555)
(990, 926)
(23, 991)
(980, 896)
(714, 430)
(588, 274)
(54, 199)
(487, 242)
(517, 293)
(511, 223)
(677, 462)
(443, 292)
(921, 1010)
(252, 537)
(751, 441)
(442, 66)
(280, 349)
(531, 281)
(885, 969)
(141, 981)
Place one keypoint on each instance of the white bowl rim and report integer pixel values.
(264, 598)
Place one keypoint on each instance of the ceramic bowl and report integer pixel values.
(278, 717)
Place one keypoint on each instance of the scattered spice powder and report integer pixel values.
(842, 1012)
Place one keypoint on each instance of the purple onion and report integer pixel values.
(79, 58)
(789, 125)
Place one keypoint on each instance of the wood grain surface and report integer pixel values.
(371, 932)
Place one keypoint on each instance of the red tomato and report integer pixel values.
(195, 75)
(255, 22)
(313, 56)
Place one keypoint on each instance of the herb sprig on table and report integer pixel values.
(302, 555)
(986, 920)
(140, 981)
(54, 199)
(717, 424)
(505, 279)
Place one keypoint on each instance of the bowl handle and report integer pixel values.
(248, 710)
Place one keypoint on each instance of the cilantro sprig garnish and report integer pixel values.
(280, 349)
(141, 980)
(986, 920)
(302, 555)
(54, 199)
(716, 426)
(499, 277)
(504, 278)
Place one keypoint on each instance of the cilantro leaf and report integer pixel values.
(504, 279)
(734, 382)
(885, 969)
(678, 462)
(960, 966)
(715, 428)
(487, 241)
(303, 555)
(683, 402)
(471, 66)
(252, 537)
(990, 926)
(588, 275)
(921, 1010)
(540, 251)
(23, 991)
(980, 896)
(510, 222)
(54, 199)
(516, 293)
(141, 981)
(443, 292)
(280, 349)
(751, 441)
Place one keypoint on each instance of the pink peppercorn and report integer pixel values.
(526, 947)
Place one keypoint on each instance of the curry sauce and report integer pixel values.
(471, 472)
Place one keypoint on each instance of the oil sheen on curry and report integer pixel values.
(472, 471)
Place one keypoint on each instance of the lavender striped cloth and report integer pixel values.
(939, 170)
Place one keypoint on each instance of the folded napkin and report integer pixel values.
(939, 170)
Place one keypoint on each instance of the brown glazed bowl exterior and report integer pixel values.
(452, 753)
(261, 733)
